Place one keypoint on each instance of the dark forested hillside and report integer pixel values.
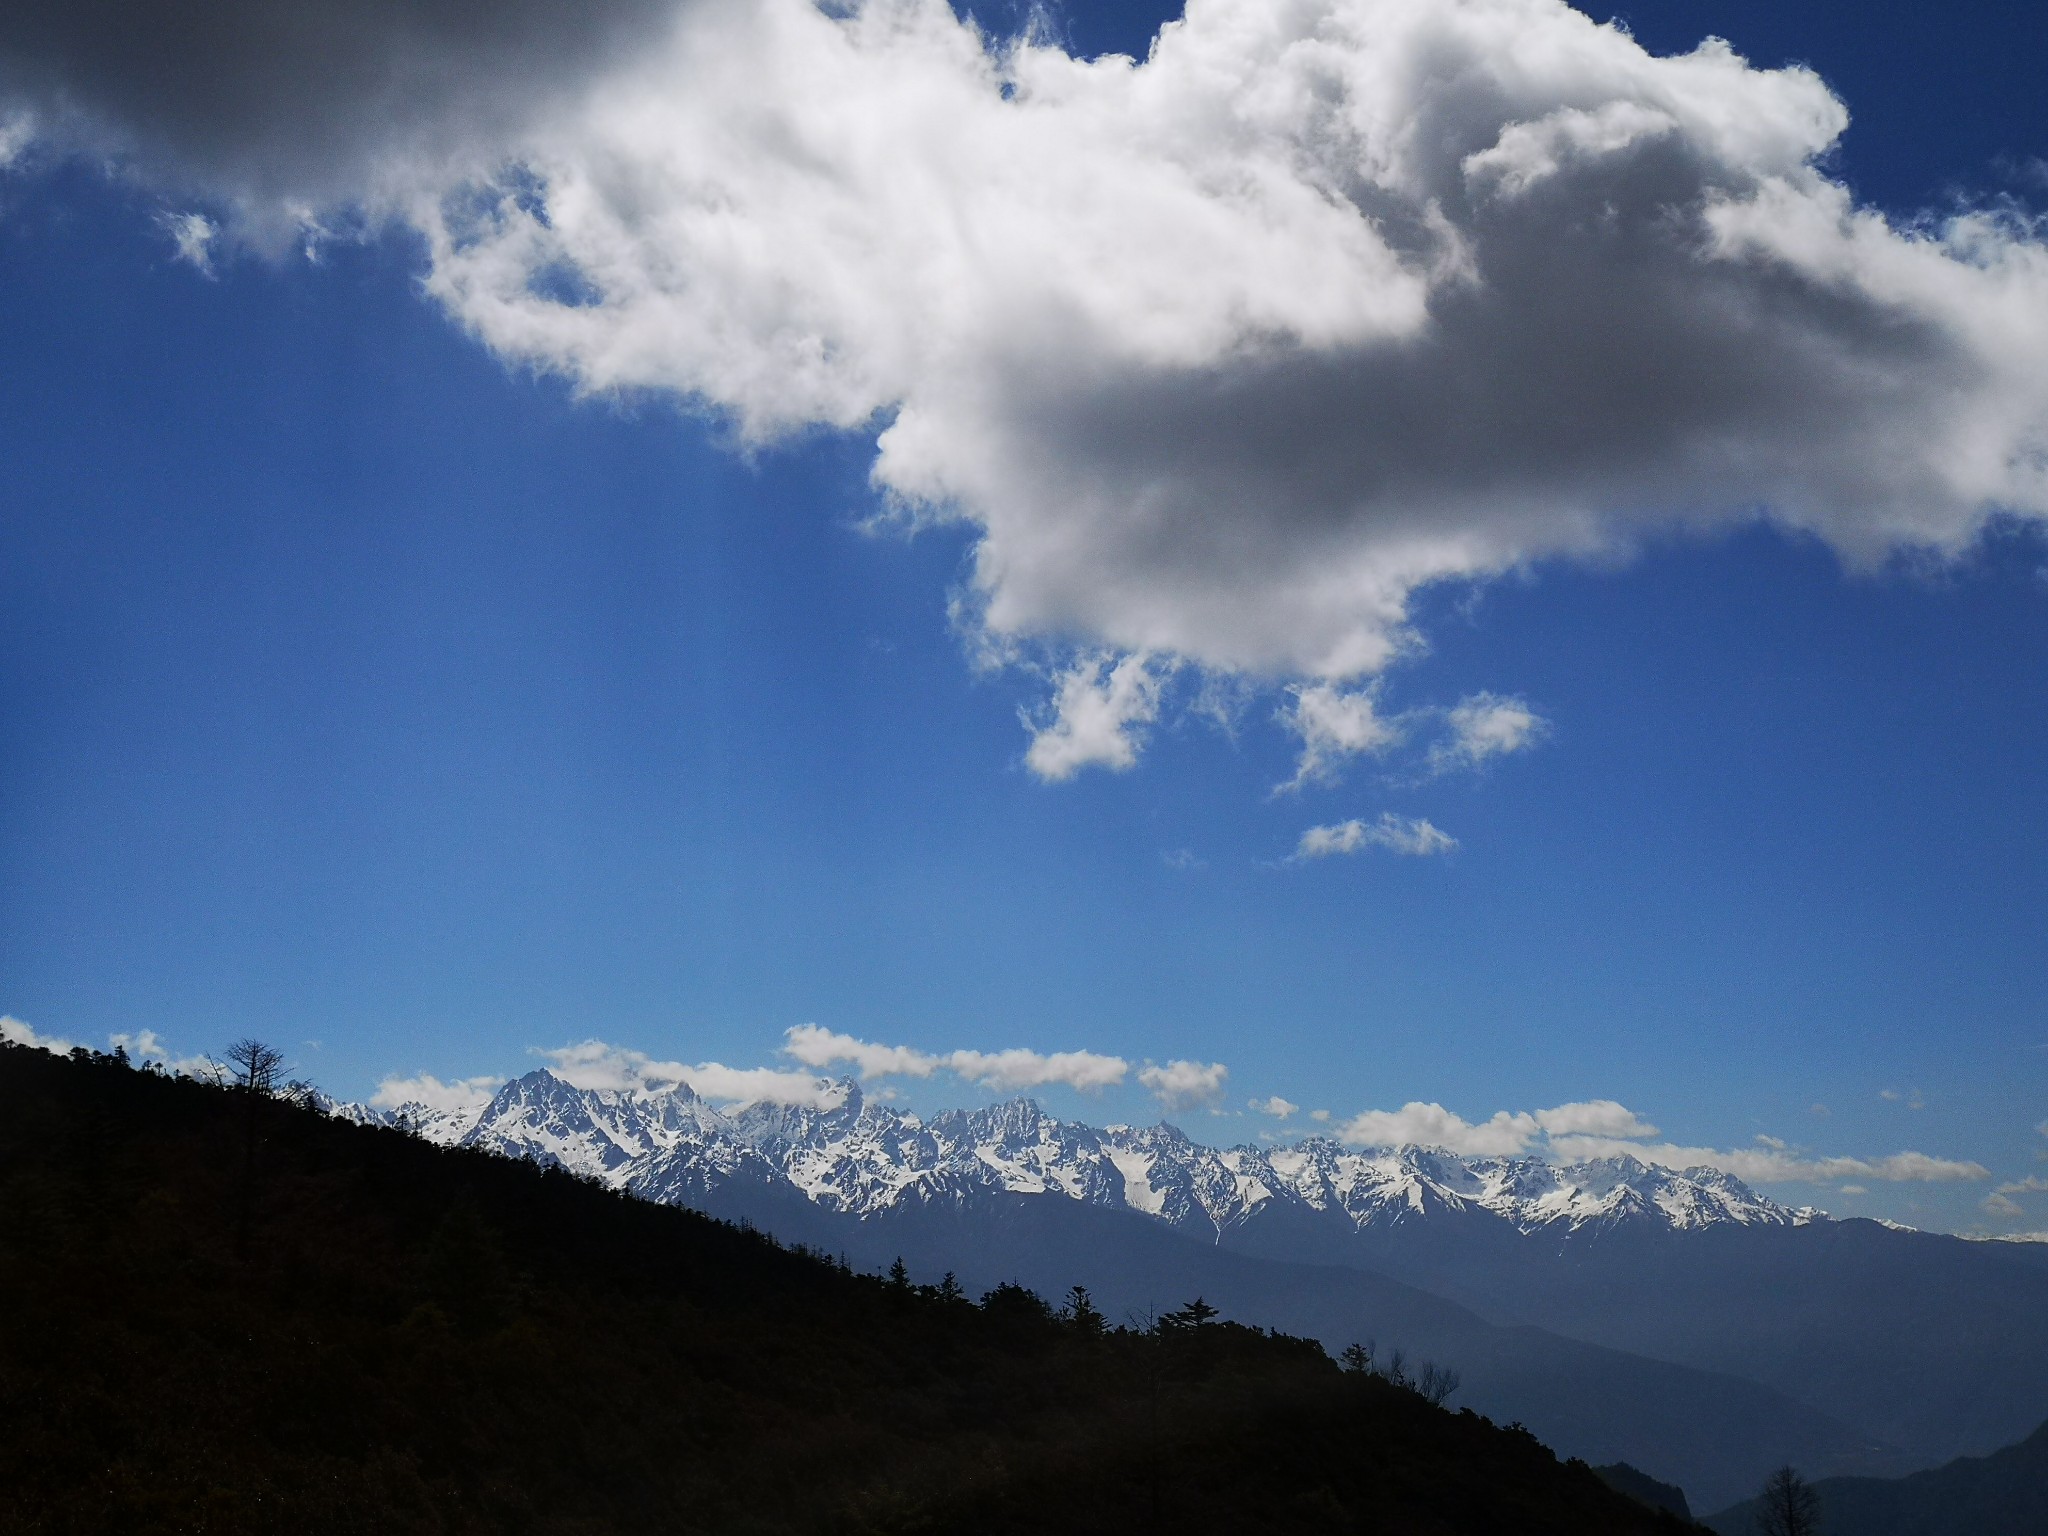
(223, 1313)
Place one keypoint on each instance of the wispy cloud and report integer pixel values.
(1783, 1164)
(1411, 836)
(462, 1093)
(192, 237)
(1598, 1128)
(17, 130)
(1005, 1071)
(1009, 1071)
(2000, 1201)
(1485, 726)
(1334, 725)
(596, 1064)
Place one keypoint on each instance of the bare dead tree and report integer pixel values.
(1788, 1506)
(1436, 1383)
(258, 1068)
(1396, 1369)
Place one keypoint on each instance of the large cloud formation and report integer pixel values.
(1222, 355)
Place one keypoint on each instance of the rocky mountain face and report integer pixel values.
(860, 1158)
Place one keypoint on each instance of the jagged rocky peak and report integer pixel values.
(768, 1124)
(852, 1154)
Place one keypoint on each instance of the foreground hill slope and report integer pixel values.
(2003, 1494)
(1870, 1351)
(1145, 1216)
(228, 1314)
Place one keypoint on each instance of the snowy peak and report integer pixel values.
(863, 1158)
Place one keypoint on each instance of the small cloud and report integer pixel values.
(1399, 834)
(1911, 1098)
(1431, 1125)
(2001, 1205)
(1594, 1117)
(1766, 1164)
(15, 1032)
(1820, 1110)
(1854, 1189)
(2032, 1184)
(192, 236)
(1320, 1116)
(1005, 1071)
(1183, 858)
(1275, 1106)
(1185, 1084)
(147, 1045)
(1334, 726)
(1099, 716)
(816, 1046)
(1486, 726)
(462, 1093)
(1009, 1071)
(594, 1064)
(144, 1044)
(15, 134)
(1776, 1144)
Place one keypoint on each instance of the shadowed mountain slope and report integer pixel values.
(2003, 1494)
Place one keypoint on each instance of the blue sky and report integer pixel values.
(363, 688)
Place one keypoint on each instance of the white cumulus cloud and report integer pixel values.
(1602, 1128)
(1220, 356)
(1334, 725)
(1431, 1125)
(596, 1064)
(1008, 1071)
(15, 1032)
(1594, 1117)
(1005, 1071)
(1099, 713)
(1400, 834)
(1275, 1106)
(457, 1094)
(1485, 726)
(1765, 1164)
(816, 1046)
(1185, 1084)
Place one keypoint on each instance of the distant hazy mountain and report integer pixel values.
(1732, 1333)
(2003, 1494)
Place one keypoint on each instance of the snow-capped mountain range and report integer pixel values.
(863, 1158)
